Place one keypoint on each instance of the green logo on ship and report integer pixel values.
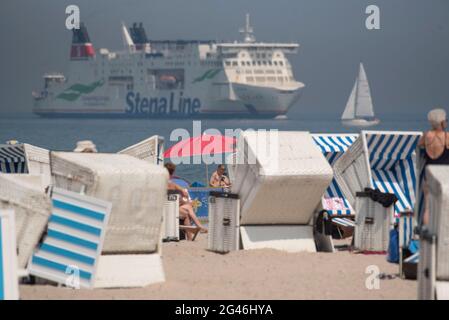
(209, 74)
(77, 90)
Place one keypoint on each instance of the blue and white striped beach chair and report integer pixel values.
(333, 146)
(390, 161)
(383, 160)
(393, 164)
(72, 246)
(26, 158)
(12, 159)
(9, 289)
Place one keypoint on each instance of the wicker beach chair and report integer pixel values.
(383, 160)
(26, 158)
(173, 228)
(373, 221)
(338, 208)
(170, 228)
(150, 149)
(23, 193)
(137, 191)
(433, 265)
(280, 178)
(136, 188)
(9, 288)
(224, 225)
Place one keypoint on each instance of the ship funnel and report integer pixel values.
(139, 37)
(82, 48)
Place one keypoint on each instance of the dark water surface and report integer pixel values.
(112, 135)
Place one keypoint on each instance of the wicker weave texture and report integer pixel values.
(171, 217)
(438, 182)
(372, 225)
(283, 186)
(352, 171)
(23, 194)
(136, 189)
(427, 270)
(224, 226)
(147, 149)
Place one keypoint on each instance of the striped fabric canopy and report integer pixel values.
(12, 159)
(333, 146)
(393, 165)
(71, 249)
(420, 162)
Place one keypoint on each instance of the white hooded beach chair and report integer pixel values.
(24, 194)
(433, 265)
(26, 158)
(137, 190)
(151, 149)
(70, 251)
(9, 281)
(280, 178)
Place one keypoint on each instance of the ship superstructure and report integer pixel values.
(165, 78)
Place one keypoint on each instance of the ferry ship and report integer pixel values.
(165, 78)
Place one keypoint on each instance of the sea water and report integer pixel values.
(112, 135)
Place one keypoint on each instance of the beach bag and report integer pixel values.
(393, 246)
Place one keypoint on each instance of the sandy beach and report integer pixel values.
(192, 272)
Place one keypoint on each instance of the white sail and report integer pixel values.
(364, 104)
(349, 112)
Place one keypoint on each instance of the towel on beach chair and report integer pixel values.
(74, 240)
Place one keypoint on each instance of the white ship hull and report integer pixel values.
(248, 101)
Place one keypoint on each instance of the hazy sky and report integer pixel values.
(407, 61)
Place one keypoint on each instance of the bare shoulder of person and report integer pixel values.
(429, 136)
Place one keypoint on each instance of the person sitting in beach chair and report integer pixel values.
(218, 178)
(186, 212)
(436, 144)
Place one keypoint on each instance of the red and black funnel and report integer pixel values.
(82, 48)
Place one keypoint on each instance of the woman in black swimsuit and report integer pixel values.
(436, 144)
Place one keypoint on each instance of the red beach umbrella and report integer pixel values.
(204, 145)
(201, 145)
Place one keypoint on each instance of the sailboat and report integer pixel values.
(359, 109)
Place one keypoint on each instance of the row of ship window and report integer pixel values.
(269, 79)
(254, 63)
(256, 79)
(259, 71)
